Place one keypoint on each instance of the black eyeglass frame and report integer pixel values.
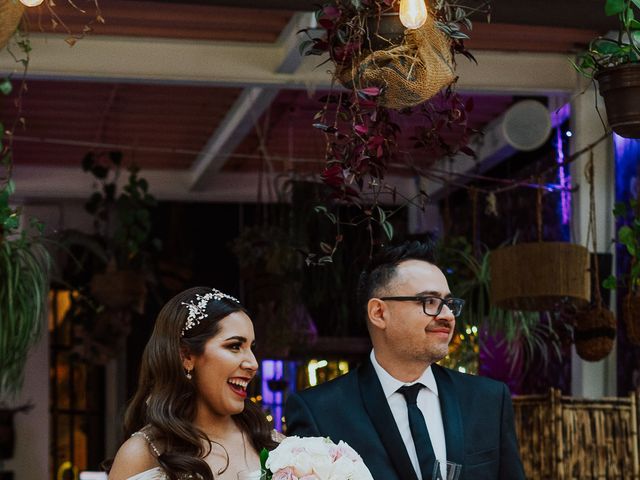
(456, 303)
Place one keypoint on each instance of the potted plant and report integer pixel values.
(615, 64)
(122, 222)
(389, 73)
(385, 81)
(24, 289)
(109, 270)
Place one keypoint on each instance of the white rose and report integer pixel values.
(361, 472)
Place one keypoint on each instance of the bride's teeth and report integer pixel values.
(238, 383)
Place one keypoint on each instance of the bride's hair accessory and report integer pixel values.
(197, 309)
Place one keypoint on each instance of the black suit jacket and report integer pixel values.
(476, 412)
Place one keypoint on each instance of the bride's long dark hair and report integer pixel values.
(164, 403)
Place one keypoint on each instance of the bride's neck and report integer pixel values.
(215, 426)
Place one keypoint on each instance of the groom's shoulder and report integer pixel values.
(472, 381)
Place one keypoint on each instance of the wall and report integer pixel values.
(31, 458)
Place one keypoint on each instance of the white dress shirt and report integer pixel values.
(428, 404)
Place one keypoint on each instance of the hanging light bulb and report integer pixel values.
(413, 13)
(31, 3)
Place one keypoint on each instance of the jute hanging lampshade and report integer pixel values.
(10, 14)
(540, 276)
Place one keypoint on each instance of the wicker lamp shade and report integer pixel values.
(10, 15)
(540, 276)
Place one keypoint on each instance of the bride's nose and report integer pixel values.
(250, 362)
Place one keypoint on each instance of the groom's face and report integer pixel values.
(412, 334)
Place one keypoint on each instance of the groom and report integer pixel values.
(400, 410)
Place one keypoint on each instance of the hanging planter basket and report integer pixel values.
(540, 276)
(620, 87)
(408, 73)
(594, 333)
(10, 14)
(120, 289)
(631, 309)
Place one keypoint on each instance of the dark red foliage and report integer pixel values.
(361, 135)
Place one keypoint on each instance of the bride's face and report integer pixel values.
(226, 366)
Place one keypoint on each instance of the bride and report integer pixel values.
(190, 416)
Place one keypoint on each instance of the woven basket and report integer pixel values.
(594, 333)
(10, 15)
(120, 289)
(632, 318)
(407, 74)
(540, 276)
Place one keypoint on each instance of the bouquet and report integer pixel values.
(313, 458)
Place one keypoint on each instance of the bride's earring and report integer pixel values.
(188, 374)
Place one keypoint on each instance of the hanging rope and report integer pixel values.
(591, 228)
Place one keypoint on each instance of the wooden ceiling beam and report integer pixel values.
(245, 113)
(228, 64)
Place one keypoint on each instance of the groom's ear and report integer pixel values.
(377, 311)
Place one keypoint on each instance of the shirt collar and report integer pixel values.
(390, 385)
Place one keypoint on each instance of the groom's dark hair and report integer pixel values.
(382, 267)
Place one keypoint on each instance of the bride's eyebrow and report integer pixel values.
(236, 337)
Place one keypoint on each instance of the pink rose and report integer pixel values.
(284, 474)
(344, 450)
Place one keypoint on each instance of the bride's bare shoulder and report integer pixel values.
(135, 456)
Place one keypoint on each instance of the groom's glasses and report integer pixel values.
(432, 306)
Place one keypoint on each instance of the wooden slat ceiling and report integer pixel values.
(165, 126)
(167, 20)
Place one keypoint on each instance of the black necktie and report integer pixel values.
(419, 431)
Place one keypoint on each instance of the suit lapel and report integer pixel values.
(451, 415)
(377, 407)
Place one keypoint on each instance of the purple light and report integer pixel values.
(272, 370)
(564, 179)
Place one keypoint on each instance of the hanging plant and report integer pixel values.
(111, 269)
(24, 283)
(388, 75)
(615, 64)
(361, 124)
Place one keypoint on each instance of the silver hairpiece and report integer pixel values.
(197, 310)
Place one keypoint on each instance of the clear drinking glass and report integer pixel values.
(252, 475)
(444, 470)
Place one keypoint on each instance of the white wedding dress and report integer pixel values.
(151, 474)
(157, 473)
